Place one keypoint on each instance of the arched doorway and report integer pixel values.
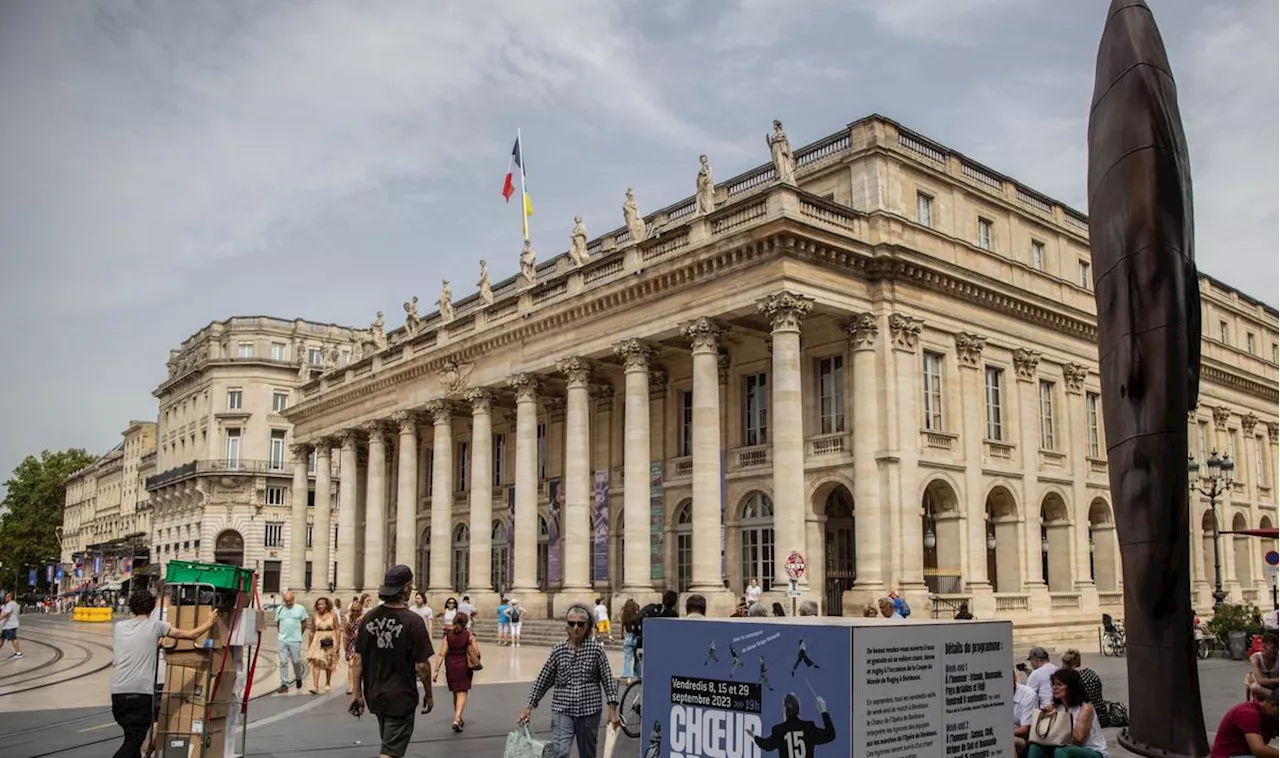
(424, 560)
(1055, 543)
(461, 557)
(544, 552)
(756, 538)
(1102, 547)
(683, 546)
(1241, 546)
(228, 548)
(500, 558)
(941, 532)
(839, 548)
(1002, 541)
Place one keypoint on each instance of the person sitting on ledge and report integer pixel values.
(1247, 730)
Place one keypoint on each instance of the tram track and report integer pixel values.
(59, 654)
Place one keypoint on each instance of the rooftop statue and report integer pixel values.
(784, 162)
(631, 215)
(445, 302)
(528, 265)
(486, 291)
(705, 196)
(411, 320)
(578, 242)
(377, 334)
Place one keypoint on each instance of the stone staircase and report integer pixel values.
(537, 632)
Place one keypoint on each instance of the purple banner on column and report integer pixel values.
(58, 574)
(48, 574)
(511, 537)
(655, 520)
(600, 525)
(97, 565)
(31, 577)
(555, 503)
(79, 567)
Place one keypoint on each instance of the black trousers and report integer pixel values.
(133, 712)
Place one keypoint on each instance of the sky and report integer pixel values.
(167, 164)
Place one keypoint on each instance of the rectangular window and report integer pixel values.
(1094, 427)
(1222, 332)
(1086, 276)
(311, 462)
(924, 209)
(831, 394)
(755, 403)
(315, 356)
(1046, 416)
(273, 534)
(463, 449)
(995, 406)
(933, 417)
(1231, 444)
(235, 400)
(1275, 352)
(344, 357)
(307, 579)
(984, 234)
(1249, 344)
(311, 498)
(1037, 255)
(233, 448)
(246, 350)
(275, 452)
(686, 423)
(499, 459)
(279, 401)
(542, 451)
(1202, 435)
(271, 577)
(278, 351)
(1260, 472)
(311, 528)
(275, 495)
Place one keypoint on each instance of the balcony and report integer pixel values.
(1052, 459)
(221, 466)
(998, 451)
(754, 456)
(1012, 602)
(680, 468)
(942, 441)
(828, 444)
(1111, 599)
(1097, 467)
(1064, 601)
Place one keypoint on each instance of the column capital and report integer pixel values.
(1025, 364)
(1247, 422)
(785, 310)
(301, 451)
(635, 354)
(377, 431)
(702, 332)
(1191, 415)
(324, 446)
(906, 331)
(723, 364)
(576, 369)
(349, 438)
(1273, 432)
(526, 387)
(481, 400)
(1073, 374)
(1221, 415)
(440, 411)
(969, 349)
(862, 329)
(406, 420)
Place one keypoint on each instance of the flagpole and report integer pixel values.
(524, 197)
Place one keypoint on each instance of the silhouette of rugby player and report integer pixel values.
(764, 674)
(795, 736)
(737, 662)
(654, 748)
(711, 654)
(803, 657)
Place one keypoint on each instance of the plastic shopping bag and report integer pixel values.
(610, 741)
(522, 744)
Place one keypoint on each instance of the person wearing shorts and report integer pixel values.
(515, 619)
(504, 621)
(603, 626)
(9, 624)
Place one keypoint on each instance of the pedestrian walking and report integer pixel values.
(504, 622)
(322, 647)
(579, 671)
(133, 669)
(603, 626)
(516, 615)
(459, 642)
(291, 619)
(9, 613)
(630, 633)
(393, 653)
(355, 611)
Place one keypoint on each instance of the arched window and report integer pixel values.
(461, 557)
(500, 558)
(684, 546)
(757, 540)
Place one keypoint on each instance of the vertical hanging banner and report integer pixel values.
(48, 574)
(555, 502)
(724, 559)
(511, 536)
(97, 565)
(600, 524)
(127, 566)
(31, 577)
(58, 574)
(655, 520)
(79, 567)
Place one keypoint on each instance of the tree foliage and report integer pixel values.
(33, 513)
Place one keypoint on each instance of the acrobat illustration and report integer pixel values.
(654, 748)
(764, 674)
(795, 732)
(803, 657)
(737, 662)
(711, 654)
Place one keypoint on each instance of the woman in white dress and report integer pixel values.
(1087, 740)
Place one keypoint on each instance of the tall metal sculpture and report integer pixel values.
(1142, 240)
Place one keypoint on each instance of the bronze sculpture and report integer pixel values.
(1147, 290)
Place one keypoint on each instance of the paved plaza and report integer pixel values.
(55, 702)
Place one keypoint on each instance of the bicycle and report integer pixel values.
(1113, 640)
(631, 700)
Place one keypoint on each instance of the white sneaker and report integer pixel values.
(16, 655)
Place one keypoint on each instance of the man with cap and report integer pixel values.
(392, 654)
(1038, 679)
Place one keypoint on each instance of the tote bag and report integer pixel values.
(1051, 728)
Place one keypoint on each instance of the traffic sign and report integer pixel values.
(1273, 558)
(793, 588)
(795, 565)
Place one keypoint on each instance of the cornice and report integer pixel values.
(1226, 378)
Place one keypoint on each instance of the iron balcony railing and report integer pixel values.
(219, 466)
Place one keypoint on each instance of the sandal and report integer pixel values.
(457, 727)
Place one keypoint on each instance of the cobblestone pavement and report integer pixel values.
(317, 726)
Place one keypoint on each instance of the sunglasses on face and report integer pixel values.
(578, 624)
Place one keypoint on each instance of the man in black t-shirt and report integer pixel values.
(393, 653)
(795, 736)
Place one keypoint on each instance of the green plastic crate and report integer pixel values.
(219, 575)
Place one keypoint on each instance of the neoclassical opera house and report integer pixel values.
(871, 350)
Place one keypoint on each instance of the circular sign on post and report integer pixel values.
(795, 565)
(1273, 558)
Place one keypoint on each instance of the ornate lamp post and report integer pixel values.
(1221, 475)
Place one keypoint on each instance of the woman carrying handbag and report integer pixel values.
(1067, 727)
(461, 659)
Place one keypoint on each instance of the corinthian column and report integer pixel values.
(905, 505)
(296, 580)
(480, 576)
(974, 509)
(441, 500)
(407, 490)
(1026, 365)
(375, 527)
(347, 497)
(868, 507)
(635, 469)
(785, 310)
(524, 531)
(321, 525)
(704, 334)
(577, 469)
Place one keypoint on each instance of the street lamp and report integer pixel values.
(1221, 474)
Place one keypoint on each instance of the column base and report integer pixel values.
(642, 595)
(720, 601)
(568, 596)
(982, 600)
(532, 601)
